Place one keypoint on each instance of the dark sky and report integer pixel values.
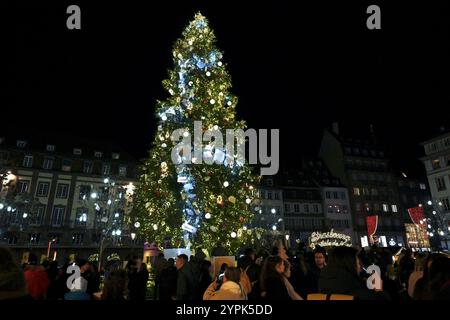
(294, 67)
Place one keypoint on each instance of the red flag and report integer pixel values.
(416, 214)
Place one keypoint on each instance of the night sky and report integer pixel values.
(296, 67)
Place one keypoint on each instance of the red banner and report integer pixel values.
(372, 223)
(416, 214)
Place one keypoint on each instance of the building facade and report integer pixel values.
(414, 192)
(335, 198)
(61, 194)
(362, 167)
(290, 205)
(437, 167)
(269, 212)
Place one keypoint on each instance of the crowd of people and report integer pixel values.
(274, 274)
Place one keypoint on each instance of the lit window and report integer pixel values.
(98, 154)
(77, 151)
(394, 208)
(385, 207)
(115, 156)
(356, 191)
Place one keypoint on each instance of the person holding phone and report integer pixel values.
(221, 274)
(229, 289)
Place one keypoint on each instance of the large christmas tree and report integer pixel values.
(180, 196)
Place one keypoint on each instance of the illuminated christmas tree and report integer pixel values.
(180, 196)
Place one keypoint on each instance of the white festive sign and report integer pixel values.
(329, 239)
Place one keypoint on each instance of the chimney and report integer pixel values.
(335, 128)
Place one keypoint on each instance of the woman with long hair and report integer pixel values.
(272, 280)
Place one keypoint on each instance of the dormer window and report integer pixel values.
(98, 154)
(21, 143)
(50, 147)
(115, 156)
(77, 151)
(269, 182)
